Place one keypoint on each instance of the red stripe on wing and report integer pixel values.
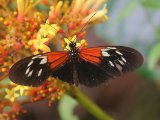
(91, 54)
(56, 59)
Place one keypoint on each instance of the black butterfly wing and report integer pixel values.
(61, 68)
(30, 71)
(99, 64)
(91, 74)
(64, 72)
(34, 70)
(91, 67)
(121, 59)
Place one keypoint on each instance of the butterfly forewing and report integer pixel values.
(34, 70)
(61, 66)
(30, 71)
(102, 63)
(120, 58)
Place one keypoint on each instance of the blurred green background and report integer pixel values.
(134, 96)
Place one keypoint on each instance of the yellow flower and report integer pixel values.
(78, 6)
(21, 5)
(87, 5)
(47, 29)
(99, 16)
(58, 7)
(39, 43)
(21, 89)
(82, 43)
(11, 94)
(68, 41)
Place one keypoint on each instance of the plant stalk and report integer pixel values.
(89, 105)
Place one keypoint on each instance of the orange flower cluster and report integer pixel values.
(26, 30)
(51, 90)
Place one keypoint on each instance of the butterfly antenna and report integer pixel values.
(87, 23)
(57, 30)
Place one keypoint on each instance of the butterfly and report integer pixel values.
(88, 66)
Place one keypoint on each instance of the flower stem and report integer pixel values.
(90, 106)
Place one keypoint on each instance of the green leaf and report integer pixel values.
(66, 108)
(153, 4)
(154, 56)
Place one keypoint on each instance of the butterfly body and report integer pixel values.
(87, 66)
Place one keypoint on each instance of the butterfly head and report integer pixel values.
(72, 45)
(73, 49)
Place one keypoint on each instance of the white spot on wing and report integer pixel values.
(111, 63)
(119, 67)
(121, 62)
(119, 53)
(40, 72)
(30, 63)
(37, 56)
(30, 73)
(123, 59)
(105, 54)
(27, 71)
(111, 47)
(43, 61)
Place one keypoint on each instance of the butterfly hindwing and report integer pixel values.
(64, 72)
(90, 74)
